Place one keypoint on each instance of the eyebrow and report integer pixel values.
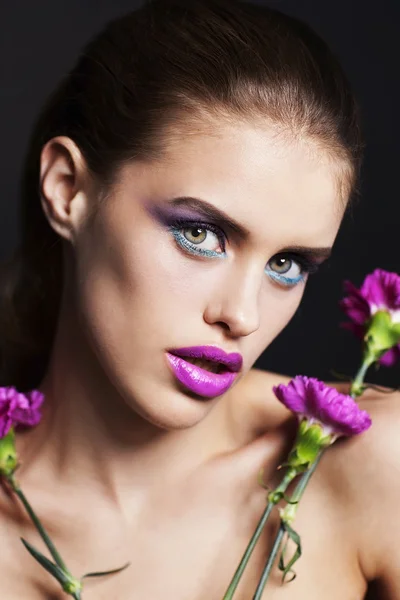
(216, 214)
(210, 211)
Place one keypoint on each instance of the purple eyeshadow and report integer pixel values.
(167, 214)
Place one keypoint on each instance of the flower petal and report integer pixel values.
(316, 401)
(381, 289)
(19, 409)
(390, 357)
(27, 411)
(355, 305)
(293, 395)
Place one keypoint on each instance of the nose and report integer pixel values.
(235, 304)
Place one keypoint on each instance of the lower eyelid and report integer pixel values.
(289, 282)
(184, 243)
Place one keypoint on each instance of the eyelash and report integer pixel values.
(307, 266)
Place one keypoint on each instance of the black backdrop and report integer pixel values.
(39, 41)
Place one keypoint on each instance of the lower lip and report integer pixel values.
(197, 380)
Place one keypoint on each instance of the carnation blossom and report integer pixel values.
(18, 409)
(317, 403)
(379, 292)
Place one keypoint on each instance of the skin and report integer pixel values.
(127, 465)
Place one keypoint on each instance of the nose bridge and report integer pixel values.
(237, 302)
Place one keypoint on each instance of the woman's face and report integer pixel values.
(155, 273)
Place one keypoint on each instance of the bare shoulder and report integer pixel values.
(363, 476)
(253, 407)
(359, 477)
(255, 388)
(376, 452)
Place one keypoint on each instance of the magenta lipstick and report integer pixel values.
(207, 371)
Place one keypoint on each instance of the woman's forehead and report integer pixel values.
(261, 179)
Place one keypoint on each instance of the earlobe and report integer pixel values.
(63, 173)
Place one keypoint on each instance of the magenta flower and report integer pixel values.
(17, 409)
(317, 403)
(380, 292)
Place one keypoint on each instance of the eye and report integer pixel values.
(289, 270)
(202, 239)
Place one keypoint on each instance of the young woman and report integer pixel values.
(182, 183)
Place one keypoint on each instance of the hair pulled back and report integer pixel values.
(168, 62)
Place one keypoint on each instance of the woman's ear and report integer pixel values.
(64, 186)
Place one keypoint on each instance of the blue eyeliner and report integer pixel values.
(287, 281)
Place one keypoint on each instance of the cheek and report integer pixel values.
(278, 308)
(138, 289)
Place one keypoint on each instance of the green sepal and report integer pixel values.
(52, 568)
(294, 536)
(311, 438)
(381, 333)
(102, 573)
(8, 454)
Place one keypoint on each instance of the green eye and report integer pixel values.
(200, 239)
(196, 235)
(281, 264)
(286, 270)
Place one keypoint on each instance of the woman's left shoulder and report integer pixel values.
(362, 476)
(379, 446)
(253, 407)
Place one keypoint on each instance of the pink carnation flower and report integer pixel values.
(380, 291)
(313, 400)
(17, 409)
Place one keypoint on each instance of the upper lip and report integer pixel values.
(233, 361)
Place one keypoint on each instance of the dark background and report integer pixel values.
(39, 41)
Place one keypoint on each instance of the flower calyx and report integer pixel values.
(8, 454)
(311, 438)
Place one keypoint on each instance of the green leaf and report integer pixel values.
(46, 564)
(102, 573)
(38, 524)
(260, 479)
(289, 500)
(294, 536)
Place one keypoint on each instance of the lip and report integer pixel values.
(233, 361)
(198, 380)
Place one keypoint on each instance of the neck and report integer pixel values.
(89, 436)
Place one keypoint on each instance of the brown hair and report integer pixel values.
(171, 61)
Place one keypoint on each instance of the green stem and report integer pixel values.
(305, 478)
(269, 565)
(301, 487)
(290, 475)
(356, 388)
(43, 534)
(295, 498)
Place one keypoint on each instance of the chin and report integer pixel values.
(168, 409)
